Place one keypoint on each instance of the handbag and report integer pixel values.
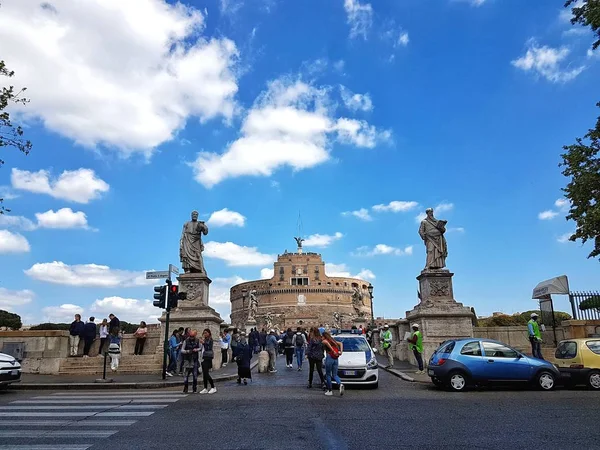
(208, 354)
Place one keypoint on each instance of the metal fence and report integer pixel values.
(585, 305)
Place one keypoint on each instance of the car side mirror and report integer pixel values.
(519, 356)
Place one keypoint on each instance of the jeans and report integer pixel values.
(419, 358)
(223, 356)
(74, 345)
(139, 346)
(311, 364)
(102, 342)
(206, 378)
(299, 356)
(272, 357)
(289, 355)
(194, 372)
(173, 356)
(331, 371)
(536, 348)
(87, 345)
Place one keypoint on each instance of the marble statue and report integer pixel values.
(337, 320)
(357, 302)
(253, 308)
(191, 247)
(432, 232)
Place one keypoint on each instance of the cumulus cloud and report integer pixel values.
(383, 249)
(396, 206)
(61, 314)
(441, 208)
(290, 124)
(127, 309)
(63, 218)
(78, 186)
(365, 274)
(87, 275)
(547, 215)
(362, 214)
(13, 242)
(547, 62)
(360, 18)
(356, 102)
(219, 289)
(226, 217)
(266, 273)
(13, 299)
(341, 270)
(322, 240)
(130, 89)
(236, 255)
(18, 222)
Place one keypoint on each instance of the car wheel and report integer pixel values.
(457, 381)
(545, 381)
(593, 379)
(437, 382)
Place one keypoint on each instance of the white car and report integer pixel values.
(357, 364)
(10, 370)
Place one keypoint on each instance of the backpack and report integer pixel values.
(299, 340)
(288, 340)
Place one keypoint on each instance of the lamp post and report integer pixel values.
(370, 289)
(244, 295)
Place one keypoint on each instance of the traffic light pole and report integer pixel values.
(166, 341)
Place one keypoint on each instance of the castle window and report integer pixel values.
(299, 281)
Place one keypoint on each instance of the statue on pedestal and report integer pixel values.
(432, 232)
(191, 246)
(357, 302)
(253, 308)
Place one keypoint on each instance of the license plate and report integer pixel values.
(14, 372)
(430, 372)
(349, 372)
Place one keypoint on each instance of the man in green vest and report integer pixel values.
(535, 336)
(386, 344)
(415, 343)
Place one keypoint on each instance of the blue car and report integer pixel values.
(461, 362)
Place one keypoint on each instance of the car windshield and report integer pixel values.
(352, 344)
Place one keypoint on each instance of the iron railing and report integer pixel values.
(585, 305)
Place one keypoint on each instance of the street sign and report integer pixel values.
(173, 269)
(156, 275)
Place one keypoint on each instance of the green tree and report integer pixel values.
(10, 320)
(588, 14)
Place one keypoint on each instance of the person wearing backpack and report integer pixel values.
(299, 343)
(288, 342)
(334, 349)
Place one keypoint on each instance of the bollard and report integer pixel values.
(263, 362)
(104, 379)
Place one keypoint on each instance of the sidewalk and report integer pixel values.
(404, 370)
(120, 381)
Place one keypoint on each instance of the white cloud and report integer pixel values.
(128, 309)
(20, 222)
(87, 275)
(360, 17)
(547, 62)
(456, 230)
(395, 206)
(219, 290)
(79, 186)
(403, 39)
(266, 273)
(562, 204)
(13, 299)
(547, 215)
(365, 274)
(64, 313)
(356, 102)
(226, 217)
(591, 54)
(322, 240)
(63, 218)
(13, 243)
(131, 88)
(7, 194)
(362, 214)
(236, 255)
(339, 66)
(342, 271)
(383, 249)
(564, 238)
(290, 124)
(231, 7)
(441, 208)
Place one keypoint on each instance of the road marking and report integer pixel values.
(119, 392)
(77, 414)
(109, 397)
(36, 434)
(126, 414)
(66, 423)
(47, 447)
(95, 402)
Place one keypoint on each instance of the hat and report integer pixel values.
(386, 326)
(243, 333)
(415, 325)
(271, 330)
(534, 315)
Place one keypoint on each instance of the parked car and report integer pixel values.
(578, 361)
(10, 370)
(461, 362)
(357, 364)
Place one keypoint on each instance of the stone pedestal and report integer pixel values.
(439, 315)
(249, 325)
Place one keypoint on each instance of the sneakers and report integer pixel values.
(273, 371)
(245, 381)
(224, 364)
(204, 391)
(212, 391)
(299, 369)
(342, 389)
(169, 374)
(328, 393)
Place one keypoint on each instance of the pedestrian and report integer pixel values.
(535, 336)
(415, 343)
(114, 326)
(174, 346)
(235, 338)
(386, 344)
(114, 351)
(190, 350)
(256, 347)
(370, 336)
(262, 339)
(207, 358)
(315, 356)
(103, 336)
(288, 342)
(249, 338)
(321, 329)
(183, 335)
(75, 333)
(334, 349)
(271, 346)
(299, 343)
(89, 336)
(224, 341)
(243, 357)
(140, 334)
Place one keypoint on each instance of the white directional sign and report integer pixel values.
(173, 269)
(156, 275)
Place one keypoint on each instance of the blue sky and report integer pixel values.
(356, 115)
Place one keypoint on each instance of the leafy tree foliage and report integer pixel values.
(519, 319)
(593, 302)
(10, 320)
(588, 14)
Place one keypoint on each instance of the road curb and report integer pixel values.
(400, 374)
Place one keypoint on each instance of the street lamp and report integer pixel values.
(370, 289)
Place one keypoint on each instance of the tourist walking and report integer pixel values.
(288, 342)
(89, 336)
(207, 359)
(334, 349)
(262, 339)
(315, 355)
(190, 352)
(183, 335)
(114, 326)
(140, 334)
(103, 335)
(235, 338)
(299, 343)
(386, 344)
(75, 333)
(114, 351)
(174, 347)
(415, 343)
(224, 341)
(535, 336)
(243, 357)
(271, 346)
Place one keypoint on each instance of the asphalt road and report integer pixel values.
(277, 411)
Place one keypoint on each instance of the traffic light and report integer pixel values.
(173, 296)
(160, 296)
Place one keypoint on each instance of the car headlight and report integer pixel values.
(372, 364)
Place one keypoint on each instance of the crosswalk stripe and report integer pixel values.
(71, 407)
(119, 392)
(36, 434)
(108, 397)
(77, 414)
(126, 414)
(95, 402)
(46, 447)
(66, 423)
